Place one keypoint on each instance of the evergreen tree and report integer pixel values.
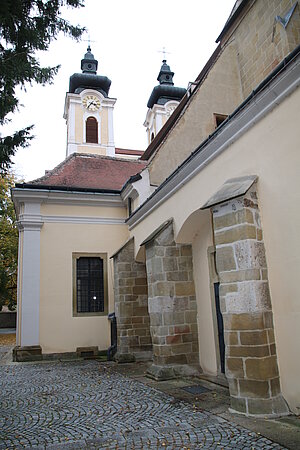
(8, 244)
(26, 26)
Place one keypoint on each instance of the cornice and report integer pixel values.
(84, 220)
(23, 195)
(30, 225)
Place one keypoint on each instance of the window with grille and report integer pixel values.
(90, 284)
(91, 130)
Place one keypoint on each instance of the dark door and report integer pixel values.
(220, 327)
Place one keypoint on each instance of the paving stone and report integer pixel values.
(87, 405)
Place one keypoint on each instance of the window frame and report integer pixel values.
(75, 257)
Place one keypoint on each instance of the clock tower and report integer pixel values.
(89, 111)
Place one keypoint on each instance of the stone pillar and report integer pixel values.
(172, 306)
(131, 306)
(251, 361)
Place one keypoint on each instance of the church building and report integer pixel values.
(193, 243)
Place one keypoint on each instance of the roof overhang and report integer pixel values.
(233, 188)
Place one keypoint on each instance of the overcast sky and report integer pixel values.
(127, 35)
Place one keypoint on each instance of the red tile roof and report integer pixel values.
(91, 171)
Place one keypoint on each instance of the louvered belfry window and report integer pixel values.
(92, 130)
(89, 284)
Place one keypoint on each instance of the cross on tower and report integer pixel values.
(164, 52)
(89, 41)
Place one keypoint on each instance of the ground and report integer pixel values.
(95, 405)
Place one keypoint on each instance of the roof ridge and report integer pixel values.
(111, 158)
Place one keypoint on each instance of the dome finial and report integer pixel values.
(89, 64)
(165, 75)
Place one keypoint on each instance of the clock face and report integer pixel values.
(91, 102)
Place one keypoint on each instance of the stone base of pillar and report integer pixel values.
(264, 408)
(123, 358)
(27, 353)
(145, 355)
(169, 372)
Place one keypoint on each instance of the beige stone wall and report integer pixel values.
(250, 52)
(172, 304)
(131, 306)
(270, 149)
(251, 359)
(220, 93)
(259, 51)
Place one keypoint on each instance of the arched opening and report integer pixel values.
(197, 230)
(91, 130)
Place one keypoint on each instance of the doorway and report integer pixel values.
(217, 314)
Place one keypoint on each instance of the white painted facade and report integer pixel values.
(157, 116)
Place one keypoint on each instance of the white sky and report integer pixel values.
(128, 35)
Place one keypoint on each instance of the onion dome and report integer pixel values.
(166, 90)
(89, 79)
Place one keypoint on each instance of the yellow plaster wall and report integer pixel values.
(80, 124)
(59, 330)
(220, 93)
(94, 149)
(83, 211)
(208, 344)
(270, 149)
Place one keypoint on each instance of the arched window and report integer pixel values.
(91, 130)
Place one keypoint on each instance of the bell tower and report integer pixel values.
(89, 111)
(162, 101)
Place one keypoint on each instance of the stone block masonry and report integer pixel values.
(262, 42)
(251, 361)
(131, 306)
(172, 306)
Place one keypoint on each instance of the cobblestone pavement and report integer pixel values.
(86, 405)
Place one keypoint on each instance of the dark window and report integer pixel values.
(92, 130)
(129, 206)
(219, 118)
(152, 137)
(90, 293)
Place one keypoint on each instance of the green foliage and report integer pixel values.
(26, 26)
(8, 244)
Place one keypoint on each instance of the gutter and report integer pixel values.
(65, 188)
